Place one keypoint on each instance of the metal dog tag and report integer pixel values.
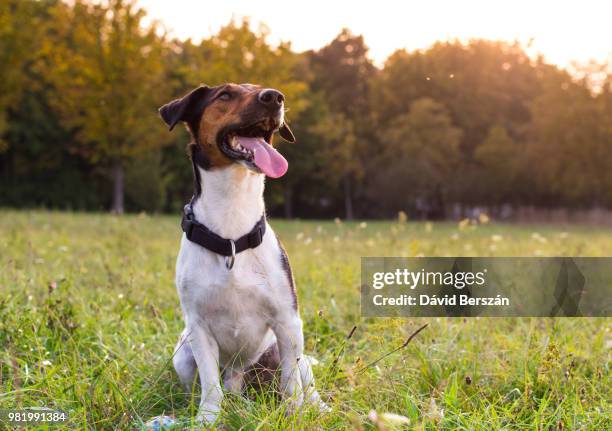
(229, 260)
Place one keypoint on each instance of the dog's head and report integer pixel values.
(233, 123)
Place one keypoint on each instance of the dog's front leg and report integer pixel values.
(206, 354)
(290, 341)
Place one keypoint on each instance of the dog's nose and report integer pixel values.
(271, 98)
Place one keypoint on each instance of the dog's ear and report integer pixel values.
(187, 107)
(286, 133)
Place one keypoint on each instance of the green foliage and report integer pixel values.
(18, 50)
(39, 169)
(500, 160)
(110, 77)
(145, 183)
(472, 124)
(421, 148)
(89, 317)
(342, 71)
(341, 144)
(571, 135)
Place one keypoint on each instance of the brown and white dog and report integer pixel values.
(240, 317)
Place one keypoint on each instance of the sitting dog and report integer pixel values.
(233, 277)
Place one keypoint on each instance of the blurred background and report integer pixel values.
(450, 114)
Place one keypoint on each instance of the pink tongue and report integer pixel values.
(270, 161)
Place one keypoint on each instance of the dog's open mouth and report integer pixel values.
(251, 146)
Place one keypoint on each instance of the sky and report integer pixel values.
(563, 31)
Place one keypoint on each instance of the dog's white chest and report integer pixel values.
(238, 306)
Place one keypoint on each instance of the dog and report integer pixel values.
(233, 277)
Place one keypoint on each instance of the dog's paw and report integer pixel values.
(315, 401)
(294, 405)
(208, 415)
(322, 406)
(160, 423)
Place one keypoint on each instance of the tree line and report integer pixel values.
(456, 125)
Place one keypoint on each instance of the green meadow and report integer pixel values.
(89, 317)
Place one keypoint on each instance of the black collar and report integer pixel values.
(201, 235)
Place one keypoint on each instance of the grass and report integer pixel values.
(89, 317)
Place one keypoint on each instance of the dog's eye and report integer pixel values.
(225, 96)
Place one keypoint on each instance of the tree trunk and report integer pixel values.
(118, 186)
(348, 202)
(288, 201)
(439, 207)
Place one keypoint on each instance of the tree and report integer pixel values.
(418, 160)
(341, 166)
(570, 142)
(108, 72)
(499, 159)
(477, 123)
(342, 73)
(483, 84)
(21, 23)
